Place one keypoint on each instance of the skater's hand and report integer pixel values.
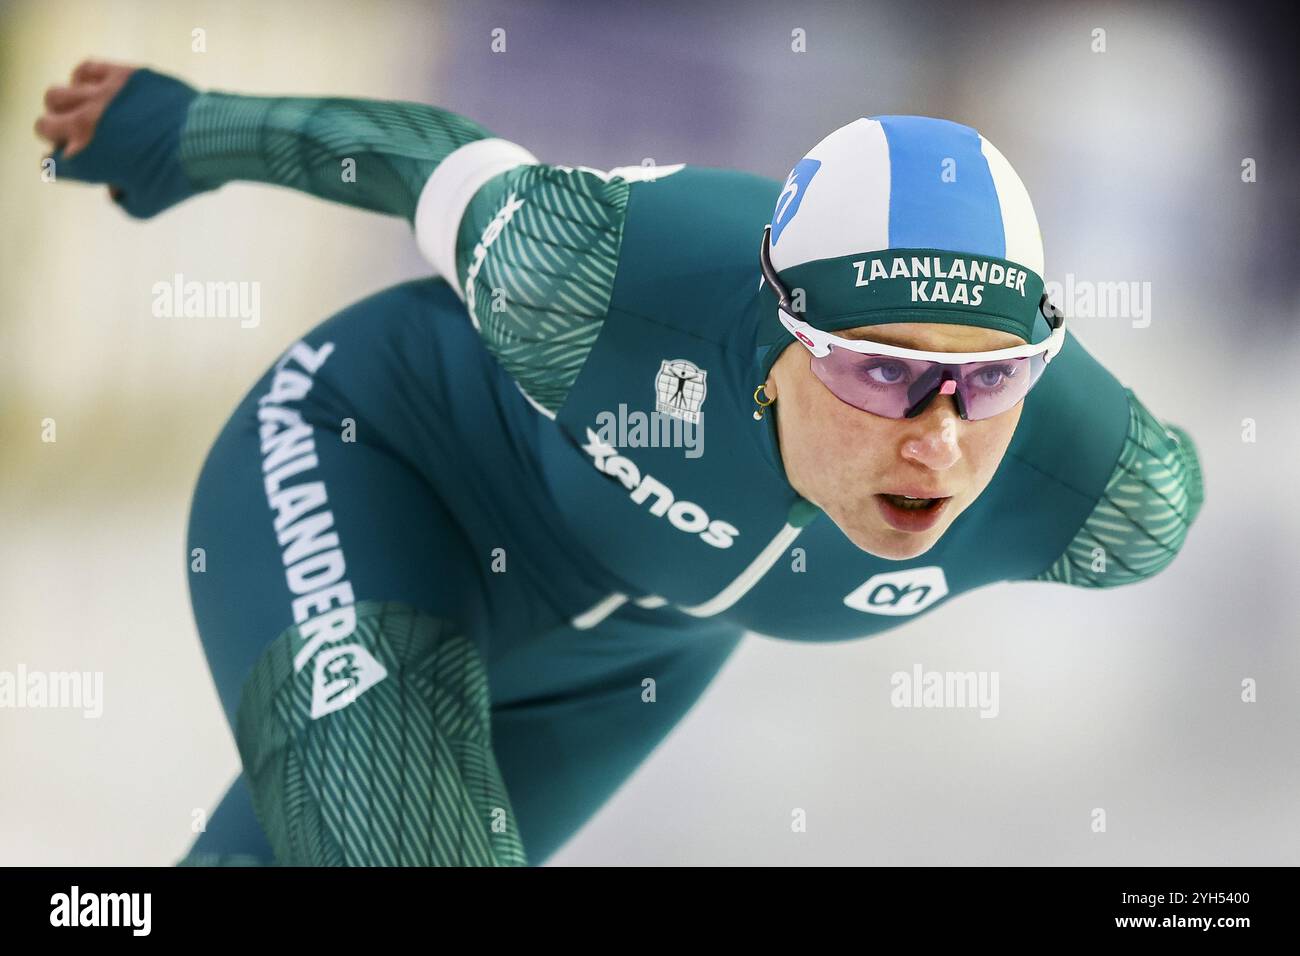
(121, 126)
(72, 112)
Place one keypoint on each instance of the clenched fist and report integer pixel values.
(121, 125)
(73, 111)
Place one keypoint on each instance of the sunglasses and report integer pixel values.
(896, 382)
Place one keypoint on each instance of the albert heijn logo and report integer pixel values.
(899, 593)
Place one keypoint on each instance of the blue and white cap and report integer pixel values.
(907, 219)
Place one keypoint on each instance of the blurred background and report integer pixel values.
(1129, 700)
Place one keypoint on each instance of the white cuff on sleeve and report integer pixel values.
(447, 195)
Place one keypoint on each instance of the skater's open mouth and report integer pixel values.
(912, 512)
(912, 504)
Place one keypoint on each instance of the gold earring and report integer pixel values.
(762, 406)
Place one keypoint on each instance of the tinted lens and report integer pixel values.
(889, 386)
(991, 388)
(880, 384)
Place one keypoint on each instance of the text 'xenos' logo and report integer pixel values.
(683, 515)
(796, 185)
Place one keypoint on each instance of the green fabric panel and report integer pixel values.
(401, 775)
(302, 143)
(220, 859)
(541, 287)
(1142, 517)
(839, 294)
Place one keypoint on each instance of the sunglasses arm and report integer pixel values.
(813, 339)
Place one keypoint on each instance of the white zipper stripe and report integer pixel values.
(738, 588)
(724, 599)
(599, 611)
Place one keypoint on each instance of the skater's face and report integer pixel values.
(857, 466)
